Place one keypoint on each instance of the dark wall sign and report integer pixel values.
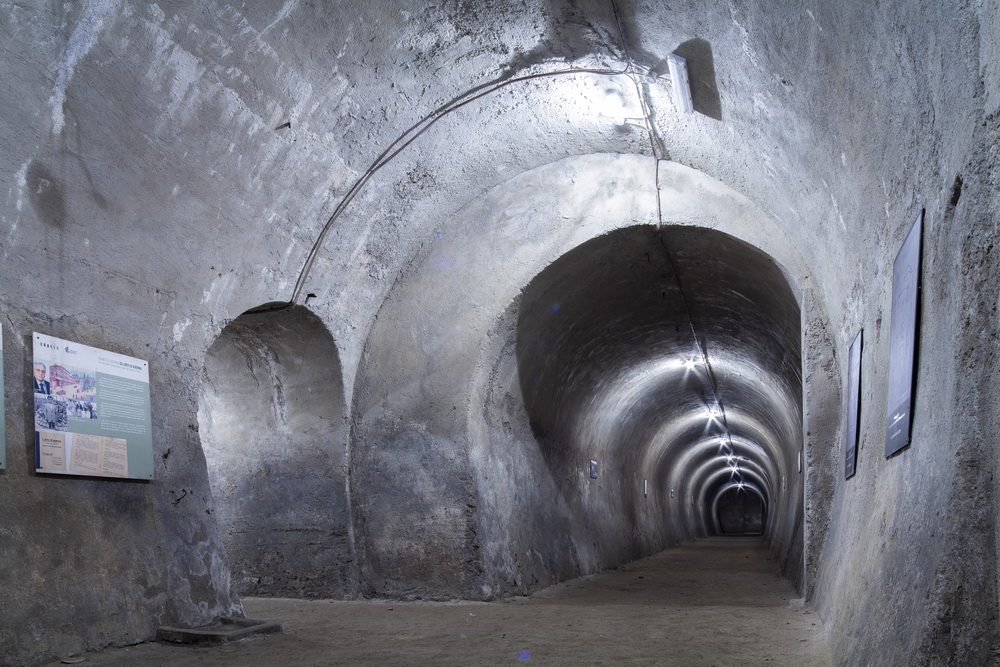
(853, 407)
(902, 340)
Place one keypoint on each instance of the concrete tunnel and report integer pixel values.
(461, 300)
(668, 356)
(686, 394)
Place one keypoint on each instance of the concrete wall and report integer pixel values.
(166, 168)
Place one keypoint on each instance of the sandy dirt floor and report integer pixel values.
(718, 601)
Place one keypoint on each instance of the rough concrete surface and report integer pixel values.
(166, 167)
(719, 601)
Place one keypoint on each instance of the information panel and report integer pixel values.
(91, 410)
(3, 416)
(902, 339)
(853, 410)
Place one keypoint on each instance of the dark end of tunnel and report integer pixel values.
(740, 510)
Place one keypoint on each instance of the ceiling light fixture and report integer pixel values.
(680, 83)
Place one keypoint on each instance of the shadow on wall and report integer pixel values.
(700, 65)
(46, 194)
(272, 422)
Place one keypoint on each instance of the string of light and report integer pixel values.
(716, 411)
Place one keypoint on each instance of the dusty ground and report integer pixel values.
(717, 601)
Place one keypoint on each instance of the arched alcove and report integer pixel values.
(272, 424)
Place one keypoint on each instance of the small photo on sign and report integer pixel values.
(50, 413)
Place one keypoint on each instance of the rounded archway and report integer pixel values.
(272, 423)
(660, 370)
(740, 509)
(485, 370)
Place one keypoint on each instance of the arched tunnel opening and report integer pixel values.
(661, 374)
(740, 509)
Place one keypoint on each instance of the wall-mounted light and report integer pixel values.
(680, 83)
(593, 469)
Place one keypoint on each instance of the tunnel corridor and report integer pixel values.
(670, 358)
(660, 376)
(482, 301)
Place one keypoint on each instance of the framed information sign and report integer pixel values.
(853, 411)
(902, 340)
(91, 411)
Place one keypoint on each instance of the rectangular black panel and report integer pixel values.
(853, 410)
(902, 340)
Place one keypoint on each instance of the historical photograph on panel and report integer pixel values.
(853, 411)
(902, 340)
(91, 411)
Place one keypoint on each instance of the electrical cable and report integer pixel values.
(417, 129)
(702, 349)
(403, 141)
(411, 135)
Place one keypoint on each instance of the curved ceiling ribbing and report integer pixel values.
(669, 356)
